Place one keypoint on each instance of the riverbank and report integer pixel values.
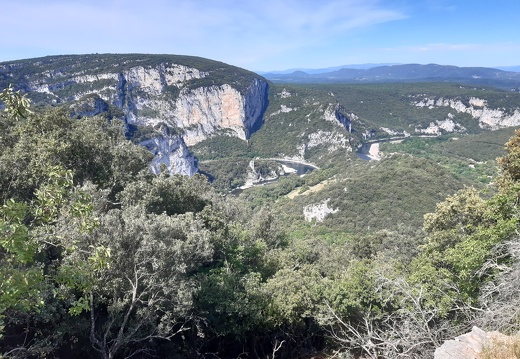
(289, 167)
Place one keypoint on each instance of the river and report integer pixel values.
(370, 150)
(290, 168)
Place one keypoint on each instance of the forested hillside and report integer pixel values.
(102, 258)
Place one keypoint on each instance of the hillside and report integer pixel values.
(198, 114)
(318, 251)
(166, 102)
(327, 124)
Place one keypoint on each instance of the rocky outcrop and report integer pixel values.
(219, 109)
(470, 345)
(147, 98)
(89, 106)
(171, 152)
(318, 211)
(151, 90)
(488, 118)
(254, 177)
(446, 125)
(332, 140)
(334, 113)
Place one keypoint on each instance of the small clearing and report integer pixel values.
(313, 189)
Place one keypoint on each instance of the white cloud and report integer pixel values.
(242, 32)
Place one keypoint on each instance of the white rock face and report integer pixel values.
(159, 95)
(330, 114)
(333, 113)
(209, 110)
(471, 345)
(284, 94)
(333, 140)
(318, 211)
(172, 152)
(489, 118)
(437, 127)
(389, 131)
(283, 109)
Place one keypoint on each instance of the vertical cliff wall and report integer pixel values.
(205, 111)
(196, 101)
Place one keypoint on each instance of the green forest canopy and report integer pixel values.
(101, 258)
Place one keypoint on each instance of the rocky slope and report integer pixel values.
(306, 125)
(471, 345)
(477, 108)
(196, 98)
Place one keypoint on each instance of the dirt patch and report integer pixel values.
(316, 188)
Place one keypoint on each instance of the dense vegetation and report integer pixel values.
(100, 258)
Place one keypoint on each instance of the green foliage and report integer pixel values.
(225, 174)
(167, 194)
(510, 163)
(92, 246)
(16, 104)
(29, 241)
(221, 147)
(92, 148)
(385, 195)
(470, 156)
(461, 236)
(95, 64)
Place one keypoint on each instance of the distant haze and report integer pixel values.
(327, 69)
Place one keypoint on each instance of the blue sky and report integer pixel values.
(263, 35)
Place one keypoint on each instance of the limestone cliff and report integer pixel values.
(204, 111)
(309, 129)
(196, 97)
(170, 151)
(487, 117)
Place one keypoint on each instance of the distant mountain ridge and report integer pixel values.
(405, 73)
(327, 69)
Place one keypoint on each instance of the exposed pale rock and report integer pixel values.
(91, 106)
(159, 95)
(284, 94)
(469, 345)
(283, 109)
(389, 131)
(487, 117)
(334, 113)
(253, 177)
(171, 151)
(318, 211)
(209, 110)
(447, 125)
(333, 140)
(477, 102)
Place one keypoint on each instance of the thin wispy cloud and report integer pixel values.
(438, 47)
(259, 35)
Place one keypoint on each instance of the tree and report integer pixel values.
(16, 104)
(30, 250)
(145, 293)
(93, 149)
(510, 163)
